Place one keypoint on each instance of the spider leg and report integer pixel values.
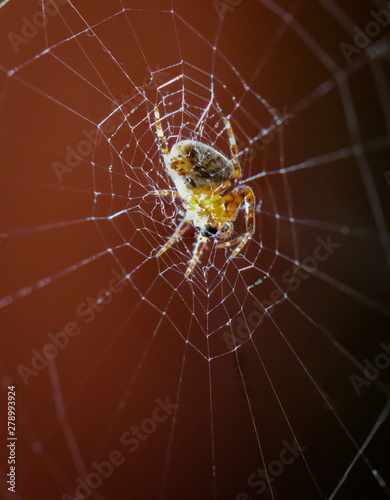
(237, 197)
(160, 134)
(164, 192)
(228, 232)
(198, 250)
(181, 228)
(222, 187)
(230, 243)
(233, 147)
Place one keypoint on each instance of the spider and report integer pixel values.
(205, 182)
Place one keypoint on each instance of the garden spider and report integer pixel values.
(204, 181)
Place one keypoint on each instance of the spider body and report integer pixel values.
(198, 171)
(205, 181)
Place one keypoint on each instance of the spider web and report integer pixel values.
(263, 353)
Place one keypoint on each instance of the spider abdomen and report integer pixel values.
(198, 165)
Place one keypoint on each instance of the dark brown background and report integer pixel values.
(110, 375)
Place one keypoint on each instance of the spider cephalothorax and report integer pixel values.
(205, 182)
